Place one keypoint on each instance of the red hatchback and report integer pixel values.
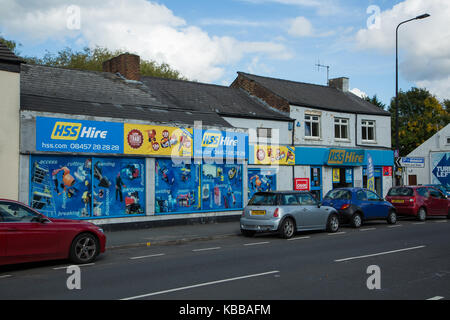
(26, 236)
(419, 201)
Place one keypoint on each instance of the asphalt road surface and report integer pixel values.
(409, 260)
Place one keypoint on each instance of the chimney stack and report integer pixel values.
(127, 64)
(341, 83)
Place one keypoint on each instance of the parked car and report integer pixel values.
(27, 235)
(286, 213)
(445, 189)
(419, 201)
(356, 205)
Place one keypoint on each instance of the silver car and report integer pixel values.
(287, 212)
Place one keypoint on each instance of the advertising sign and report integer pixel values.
(85, 187)
(273, 155)
(80, 136)
(261, 180)
(387, 171)
(440, 168)
(345, 157)
(301, 184)
(220, 144)
(177, 187)
(222, 186)
(370, 173)
(336, 175)
(157, 140)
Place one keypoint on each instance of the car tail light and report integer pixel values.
(412, 199)
(276, 213)
(345, 206)
(243, 213)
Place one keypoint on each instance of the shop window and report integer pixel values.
(84, 187)
(312, 126)
(368, 131)
(260, 180)
(264, 133)
(341, 129)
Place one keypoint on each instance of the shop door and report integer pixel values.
(342, 178)
(316, 182)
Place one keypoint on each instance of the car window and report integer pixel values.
(423, 192)
(372, 196)
(361, 195)
(289, 199)
(401, 191)
(306, 199)
(263, 199)
(338, 195)
(13, 212)
(436, 194)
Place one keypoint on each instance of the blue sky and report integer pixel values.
(210, 41)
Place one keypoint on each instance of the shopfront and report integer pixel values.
(82, 169)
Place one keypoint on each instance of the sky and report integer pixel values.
(210, 41)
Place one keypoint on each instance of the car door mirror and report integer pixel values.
(42, 219)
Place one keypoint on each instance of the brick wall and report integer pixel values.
(128, 65)
(261, 92)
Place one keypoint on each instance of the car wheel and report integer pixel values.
(356, 220)
(422, 214)
(84, 248)
(392, 217)
(333, 223)
(248, 233)
(287, 228)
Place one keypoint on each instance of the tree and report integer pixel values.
(375, 101)
(421, 115)
(92, 59)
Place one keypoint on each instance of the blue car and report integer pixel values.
(356, 205)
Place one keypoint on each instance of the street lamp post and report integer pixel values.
(397, 144)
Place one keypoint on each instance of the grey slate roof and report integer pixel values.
(101, 94)
(202, 97)
(316, 96)
(8, 56)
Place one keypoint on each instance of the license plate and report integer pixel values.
(258, 212)
(398, 201)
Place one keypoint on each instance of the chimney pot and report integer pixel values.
(341, 83)
(127, 64)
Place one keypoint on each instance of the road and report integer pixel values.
(413, 260)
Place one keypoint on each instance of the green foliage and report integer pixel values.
(92, 59)
(421, 115)
(375, 101)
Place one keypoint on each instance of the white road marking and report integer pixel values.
(206, 249)
(79, 265)
(367, 229)
(336, 233)
(299, 238)
(201, 285)
(418, 223)
(436, 298)
(379, 254)
(395, 226)
(149, 256)
(256, 243)
(440, 221)
(5, 276)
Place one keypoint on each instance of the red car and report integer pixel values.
(26, 236)
(419, 201)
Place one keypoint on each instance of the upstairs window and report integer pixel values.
(341, 128)
(312, 126)
(264, 133)
(368, 130)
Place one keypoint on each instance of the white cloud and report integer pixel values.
(146, 28)
(301, 27)
(323, 7)
(424, 45)
(359, 93)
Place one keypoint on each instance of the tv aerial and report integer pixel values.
(318, 65)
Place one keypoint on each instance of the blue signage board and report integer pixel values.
(370, 173)
(345, 157)
(220, 144)
(416, 162)
(440, 168)
(80, 136)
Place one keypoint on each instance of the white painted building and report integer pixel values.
(436, 165)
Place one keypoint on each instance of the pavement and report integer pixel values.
(170, 234)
